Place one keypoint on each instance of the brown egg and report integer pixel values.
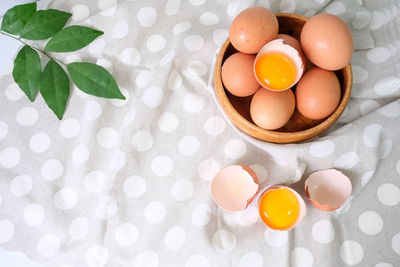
(238, 76)
(327, 42)
(317, 93)
(252, 29)
(271, 110)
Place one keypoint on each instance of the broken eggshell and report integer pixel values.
(234, 187)
(328, 190)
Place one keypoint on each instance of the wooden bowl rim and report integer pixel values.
(269, 135)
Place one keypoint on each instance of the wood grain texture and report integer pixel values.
(298, 128)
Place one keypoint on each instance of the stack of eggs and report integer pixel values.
(269, 65)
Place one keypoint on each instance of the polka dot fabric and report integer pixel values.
(127, 182)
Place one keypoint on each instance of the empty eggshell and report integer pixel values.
(328, 190)
(234, 187)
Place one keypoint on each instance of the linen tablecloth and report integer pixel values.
(126, 183)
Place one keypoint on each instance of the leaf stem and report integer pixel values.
(37, 49)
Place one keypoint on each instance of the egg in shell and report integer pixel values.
(234, 187)
(328, 190)
(279, 64)
(281, 207)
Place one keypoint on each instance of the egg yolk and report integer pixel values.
(279, 208)
(276, 71)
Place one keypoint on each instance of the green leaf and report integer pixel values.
(95, 80)
(54, 88)
(72, 38)
(44, 24)
(27, 71)
(15, 18)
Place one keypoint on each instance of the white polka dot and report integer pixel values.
(347, 161)
(80, 12)
(301, 257)
(27, 116)
(107, 137)
(391, 110)
(95, 181)
(370, 222)
(156, 43)
(130, 56)
(126, 234)
(223, 241)
(214, 126)
(247, 217)
(3, 130)
(378, 54)
(360, 74)
(130, 117)
(196, 68)
(162, 166)
(208, 19)
(174, 81)
(361, 20)
(182, 190)
(181, 27)
(52, 169)
(261, 172)
(39, 142)
(385, 148)
(372, 134)
(193, 43)
(142, 141)
(378, 20)
(366, 177)
(146, 16)
(147, 259)
(168, 122)
(395, 243)
(13, 92)
(134, 186)
(72, 58)
(193, 103)
(21, 185)
(109, 11)
(153, 96)
(80, 154)
(104, 4)
(96, 256)
(388, 194)
(6, 231)
(175, 238)
(92, 110)
(33, 215)
(65, 199)
(96, 47)
(368, 106)
(351, 252)
(79, 228)
(167, 58)
(120, 30)
(279, 159)
(235, 149)
(172, 7)
(387, 86)
(197, 2)
(383, 264)
(220, 36)
(118, 160)
(143, 78)
(105, 64)
(252, 259)
(69, 128)
(336, 8)
(201, 215)
(48, 245)
(229, 218)
(154, 212)
(9, 157)
(208, 169)
(275, 238)
(197, 260)
(188, 145)
(323, 231)
(106, 208)
(322, 149)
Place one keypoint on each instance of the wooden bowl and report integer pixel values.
(298, 128)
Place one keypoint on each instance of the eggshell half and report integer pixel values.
(328, 190)
(234, 187)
